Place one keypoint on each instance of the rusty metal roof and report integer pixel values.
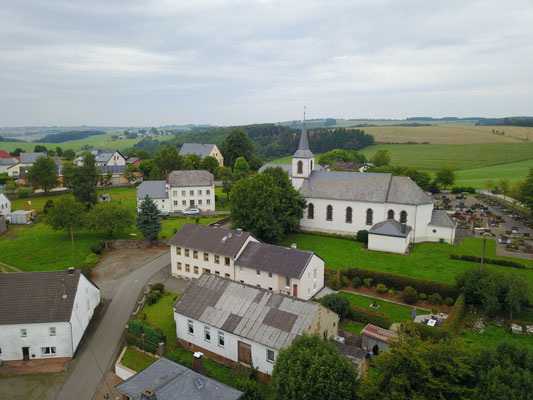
(375, 332)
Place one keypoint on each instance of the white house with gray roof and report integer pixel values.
(26, 162)
(202, 150)
(236, 323)
(347, 202)
(104, 158)
(181, 191)
(5, 205)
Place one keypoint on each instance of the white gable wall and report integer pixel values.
(162, 204)
(86, 300)
(116, 159)
(5, 205)
(202, 196)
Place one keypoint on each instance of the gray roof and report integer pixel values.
(33, 297)
(276, 259)
(115, 169)
(154, 189)
(191, 178)
(250, 312)
(364, 187)
(303, 146)
(226, 242)
(202, 149)
(172, 381)
(131, 160)
(30, 158)
(8, 161)
(103, 155)
(441, 218)
(346, 165)
(390, 227)
(285, 167)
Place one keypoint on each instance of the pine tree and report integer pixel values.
(148, 219)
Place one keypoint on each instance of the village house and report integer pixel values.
(6, 161)
(104, 158)
(5, 205)
(180, 191)
(26, 162)
(235, 323)
(44, 314)
(202, 150)
(237, 255)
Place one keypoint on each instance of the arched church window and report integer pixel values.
(329, 213)
(390, 214)
(403, 217)
(311, 165)
(300, 167)
(349, 214)
(310, 211)
(369, 215)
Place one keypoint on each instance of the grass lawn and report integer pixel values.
(136, 360)
(476, 177)
(223, 205)
(494, 335)
(161, 315)
(351, 326)
(396, 312)
(427, 260)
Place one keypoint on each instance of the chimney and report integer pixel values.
(198, 364)
(27, 206)
(293, 246)
(148, 394)
(71, 271)
(166, 175)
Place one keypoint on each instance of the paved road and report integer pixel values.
(84, 379)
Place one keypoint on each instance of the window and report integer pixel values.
(183, 202)
(52, 330)
(200, 202)
(175, 192)
(191, 192)
(195, 254)
(183, 193)
(23, 333)
(349, 215)
(369, 213)
(390, 214)
(258, 272)
(206, 271)
(270, 288)
(208, 192)
(270, 275)
(314, 274)
(191, 326)
(270, 355)
(48, 350)
(226, 275)
(217, 273)
(217, 259)
(175, 202)
(310, 211)
(241, 268)
(186, 252)
(207, 334)
(179, 266)
(196, 270)
(187, 268)
(199, 192)
(221, 339)
(208, 201)
(178, 251)
(311, 165)
(226, 261)
(300, 167)
(206, 257)
(329, 213)
(287, 282)
(403, 217)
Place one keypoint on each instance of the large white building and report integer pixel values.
(237, 255)
(44, 314)
(181, 191)
(347, 202)
(236, 323)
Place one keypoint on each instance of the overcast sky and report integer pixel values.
(158, 62)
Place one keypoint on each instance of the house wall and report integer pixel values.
(435, 233)
(325, 323)
(14, 171)
(86, 300)
(203, 197)
(368, 343)
(116, 159)
(162, 204)
(215, 152)
(5, 205)
(37, 337)
(390, 244)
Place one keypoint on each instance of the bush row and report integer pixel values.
(461, 189)
(476, 259)
(330, 235)
(456, 314)
(399, 281)
(426, 331)
(153, 335)
(365, 316)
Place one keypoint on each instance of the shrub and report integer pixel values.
(435, 299)
(345, 281)
(132, 340)
(92, 259)
(449, 301)
(97, 248)
(136, 326)
(153, 335)
(158, 286)
(461, 189)
(422, 296)
(251, 388)
(48, 205)
(157, 293)
(504, 263)
(334, 282)
(410, 295)
(434, 310)
(366, 316)
(426, 331)
(152, 299)
(24, 193)
(356, 282)
(86, 269)
(362, 236)
(456, 314)
(381, 288)
(391, 291)
(336, 303)
(178, 358)
(175, 230)
(150, 347)
(368, 282)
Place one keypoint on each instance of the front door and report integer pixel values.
(295, 290)
(191, 203)
(26, 353)
(245, 353)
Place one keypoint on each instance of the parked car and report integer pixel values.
(191, 211)
(163, 214)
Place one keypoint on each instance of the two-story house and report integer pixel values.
(26, 162)
(202, 150)
(104, 158)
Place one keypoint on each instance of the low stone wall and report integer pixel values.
(221, 221)
(136, 244)
(350, 338)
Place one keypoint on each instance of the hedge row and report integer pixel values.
(330, 235)
(153, 335)
(461, 189)
(426, 331)
(365, 316)
(476, 259)
(399, 282)
(456, 314)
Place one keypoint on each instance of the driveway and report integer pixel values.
(121, 276)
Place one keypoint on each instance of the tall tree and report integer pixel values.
(168, 159)
(16, 152)
(84, 181)
(210, 164)
(446, 176)
(148, 221)
(43, 174)
(237, 144)
(341, 155)
(241, 168)
(526, 191)
(39, 148)
(110, 217)
(195, 160)
(59, 151)
(516, 295)
(381, 158)
(226, 176)
(69, 154)
(312, 368)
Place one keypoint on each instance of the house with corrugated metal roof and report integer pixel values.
(236, 323)
(202, 150)
(237, 255)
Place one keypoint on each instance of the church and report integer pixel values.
(393, 209)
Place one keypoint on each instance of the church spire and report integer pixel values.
(303, 146)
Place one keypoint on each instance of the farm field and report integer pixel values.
(427, 260)
(476, 177)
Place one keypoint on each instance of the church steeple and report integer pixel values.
(303, 147)
(302, 160)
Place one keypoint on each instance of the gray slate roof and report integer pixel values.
(191, 178)
(33, 297)
(172, 381)
(8, 161)
(257, 314)
(103, 155)
(210, 239)
(115, 169)
(276, 259)
(286, 167)
(202, 149)
(441, 218)
(390, 227)
(303, 146)
(154, 189)
(30, 158)
(364, 187)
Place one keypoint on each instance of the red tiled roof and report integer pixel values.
(375, 332)
(4, 154)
